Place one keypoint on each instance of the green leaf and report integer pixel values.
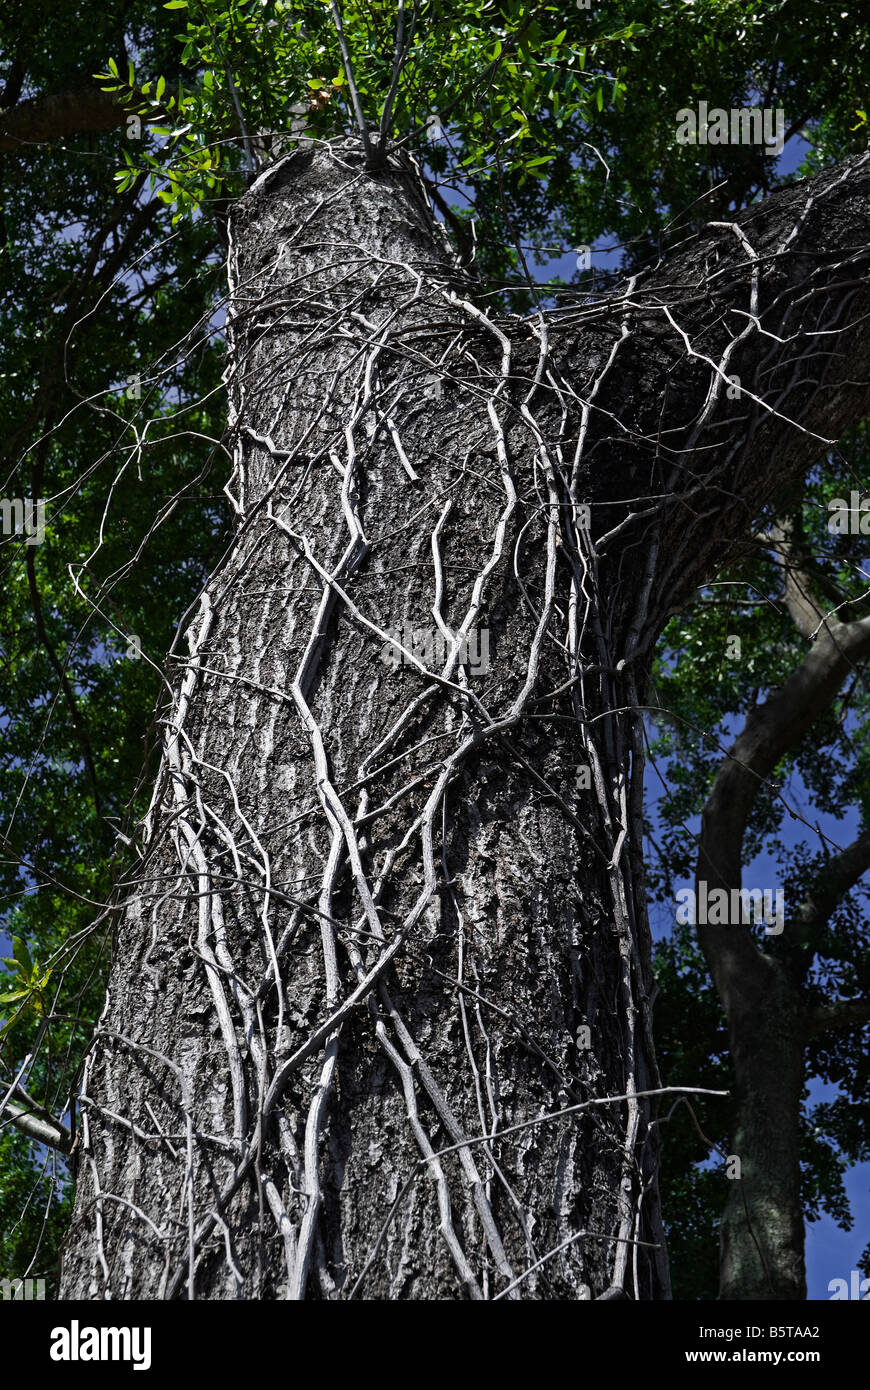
(21, 954)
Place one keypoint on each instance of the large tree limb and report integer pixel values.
(771, 730)
(803, 604)
(846, 1013)
(84, 110)
(774, 304)
(842, 872)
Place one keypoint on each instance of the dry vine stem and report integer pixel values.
(389, 917)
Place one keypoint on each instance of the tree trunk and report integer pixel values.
(762, 1231)
(390, 900)
(763, 992)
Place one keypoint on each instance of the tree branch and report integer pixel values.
(804, 608)
(37, 1123)
(841, 873)
(844, 1014)
(758, 327)
(82, 111)
(373, 156)
(770, 731)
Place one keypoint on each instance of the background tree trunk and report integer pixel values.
(381, 909)
(764, 992)
(762, 1233)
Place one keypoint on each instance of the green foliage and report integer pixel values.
(29, 981)
(95, 289)
(505, 83)
(538, 125)
(35, 1204)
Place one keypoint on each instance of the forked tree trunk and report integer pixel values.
(391, 901)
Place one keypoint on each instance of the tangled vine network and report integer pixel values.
(383, 948)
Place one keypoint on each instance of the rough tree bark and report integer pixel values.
(378, 912)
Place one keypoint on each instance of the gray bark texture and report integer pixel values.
(389, 915)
